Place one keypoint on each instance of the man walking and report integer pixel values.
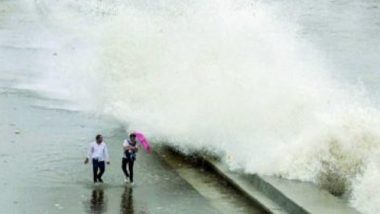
(98, 153)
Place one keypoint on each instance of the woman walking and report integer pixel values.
(129, 156)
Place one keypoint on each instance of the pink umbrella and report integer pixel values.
(144, 141)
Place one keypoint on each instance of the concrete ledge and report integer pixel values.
(280, 195)
(254, 187)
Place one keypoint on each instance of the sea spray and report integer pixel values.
(230, 77)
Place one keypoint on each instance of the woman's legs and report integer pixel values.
(130, 167)
(124, 166)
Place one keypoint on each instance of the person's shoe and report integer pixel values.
(132, 184)
(125, 180)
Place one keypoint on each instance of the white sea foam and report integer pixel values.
(231, 78)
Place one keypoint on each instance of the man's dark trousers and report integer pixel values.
(98, 165)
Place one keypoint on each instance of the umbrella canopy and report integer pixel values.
(143, 141)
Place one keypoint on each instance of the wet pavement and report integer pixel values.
(43, 172)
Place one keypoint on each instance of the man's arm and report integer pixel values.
(89, 153)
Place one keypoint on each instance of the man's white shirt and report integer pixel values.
(98, 151)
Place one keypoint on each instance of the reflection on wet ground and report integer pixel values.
(126, 203)
(97, 202)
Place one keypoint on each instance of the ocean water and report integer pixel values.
(285, 88)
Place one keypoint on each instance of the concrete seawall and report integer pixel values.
(278, 195)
